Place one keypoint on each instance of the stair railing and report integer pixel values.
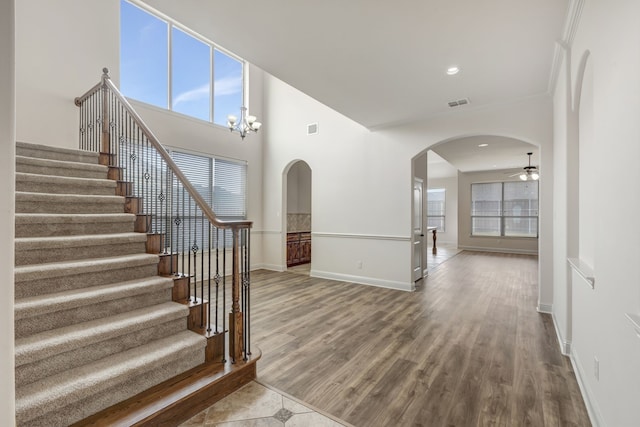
(194, 241)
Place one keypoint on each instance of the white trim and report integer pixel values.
(565, 346)
(264, 232)
(584, 270)
(635, 321)
(574, 10)
(499, 250)
(271, 267)
(592, 409)
(362, 280)
(545, 308)
(362, 236)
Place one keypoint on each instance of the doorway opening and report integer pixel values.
(298, 218)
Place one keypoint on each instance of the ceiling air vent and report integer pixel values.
(459, 102)
(312, 129)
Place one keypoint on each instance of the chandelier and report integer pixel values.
(247, 124)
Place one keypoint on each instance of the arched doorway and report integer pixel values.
(298, 217)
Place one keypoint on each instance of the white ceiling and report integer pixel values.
(383, 62)
(466, 155)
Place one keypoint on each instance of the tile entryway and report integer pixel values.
(257, 405)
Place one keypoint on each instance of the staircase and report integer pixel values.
(95, 323)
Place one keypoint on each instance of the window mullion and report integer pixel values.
(212, 82)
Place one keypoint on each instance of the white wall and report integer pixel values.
(61, 48)
(299, 189)
(499, 244)
(609, 148)
(450, 185)
(7, 166)
(363, 179)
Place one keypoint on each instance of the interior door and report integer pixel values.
(418, 235)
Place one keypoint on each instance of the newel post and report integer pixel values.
(235, 317)
(106, 140)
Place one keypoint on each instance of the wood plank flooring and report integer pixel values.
(466, 349)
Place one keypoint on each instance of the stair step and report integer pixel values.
(60, 168)
(52, 311)
(55, 153)
(75, 394)
(39, 279)
(67, 203)
(38, 250)
(49, 225)
(49, 352)
(36, 183)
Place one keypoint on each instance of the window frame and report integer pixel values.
(502, 215)
(171, 24)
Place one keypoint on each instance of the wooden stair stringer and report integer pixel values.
(180, 398)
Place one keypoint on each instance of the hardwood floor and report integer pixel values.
(468, 348)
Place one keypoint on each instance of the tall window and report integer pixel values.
(198, 79)
(504, 209)
(436, 208)
(221, 182)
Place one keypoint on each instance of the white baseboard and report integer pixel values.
(565, 345)
(380, 283)
(499, 250)
(271, 267)
(592, 408)
(545, 308)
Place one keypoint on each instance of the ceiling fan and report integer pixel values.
(530, 173)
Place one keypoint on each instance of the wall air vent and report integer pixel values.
(312, 129)
(459, 102)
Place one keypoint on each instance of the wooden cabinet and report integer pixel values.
(298, 248)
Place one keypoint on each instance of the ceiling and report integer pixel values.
(384, 62)
(466, 155)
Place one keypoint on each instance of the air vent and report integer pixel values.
(458, 102)
(312, 129)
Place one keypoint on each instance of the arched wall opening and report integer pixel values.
(490, 172)
(297, 218)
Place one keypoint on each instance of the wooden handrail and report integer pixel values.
(202, 204)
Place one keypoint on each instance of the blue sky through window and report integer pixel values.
(144, 68)
(143, 56)
(227, 87)
(191, 75)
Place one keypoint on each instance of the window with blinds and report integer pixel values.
(504, 209)
(222, 183)
(436, 208)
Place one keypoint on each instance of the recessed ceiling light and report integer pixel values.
(453, 71)
(483, 145)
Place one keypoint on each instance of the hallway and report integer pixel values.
(467, 348)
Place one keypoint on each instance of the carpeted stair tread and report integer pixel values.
(55, 153)
(50, 303)
(37, 250)
(38, 183)
(61, 340)
(55, 392)
(63, 268)
(27, 202)
(46, 224)
(60, 168)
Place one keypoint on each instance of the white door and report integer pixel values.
(417, 229)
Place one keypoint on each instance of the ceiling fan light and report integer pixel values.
(535, 176)
(523, 176)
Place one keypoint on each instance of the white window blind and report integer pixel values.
(504, 209)
(436, 208)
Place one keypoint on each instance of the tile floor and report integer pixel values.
(257, 405)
